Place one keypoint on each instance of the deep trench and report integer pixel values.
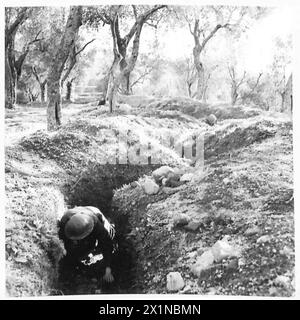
(95, 188)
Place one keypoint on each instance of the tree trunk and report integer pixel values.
(54, 105)
(69, 91)
(10, 84)
(57, 66)
(282, 95)
(200, 72)
(189, 88)
(125, 76)
(125, 83)
(10, 70)
(234, 95)
(43, 91)
(200, 84)
(113, 84)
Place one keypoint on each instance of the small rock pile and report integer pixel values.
(165, 177)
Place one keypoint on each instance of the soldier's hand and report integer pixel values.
(108, 277)
(110, 229)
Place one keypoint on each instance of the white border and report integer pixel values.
(296, 81)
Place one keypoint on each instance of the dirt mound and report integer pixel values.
(136, 101)
(240, 134)
(231, 197)
(200, 110)
(248, 175)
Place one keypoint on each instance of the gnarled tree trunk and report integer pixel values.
(66, 46)
(10, 61)
(121, 77)
(43, 91)
(69, 89)
(10, 84)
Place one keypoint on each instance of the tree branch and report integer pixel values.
(140, 20)
(242, 80)
(34, 72)
(19, 19)
(141, 77)
(134, 12)
(73, 61)
(79, 51)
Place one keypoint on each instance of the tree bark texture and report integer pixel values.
(69, 90)
(197, 50)
(65, 48)
(11, 73)
(126, 64)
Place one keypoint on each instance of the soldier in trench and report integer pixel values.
(83, 230)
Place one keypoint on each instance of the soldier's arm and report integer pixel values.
(105, 245)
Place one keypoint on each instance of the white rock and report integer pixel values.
(126, 108)
(164, 181)
(263, 239)
(175, 281)
(192, 255)
(181, 220)
(187, 177)
(252, 231)
(222, 249)
(287, 251)
(161, 173)
(283, 281)
(212, 291)
(202, 263)
(226, 180)
(150, 187)
(211, 119)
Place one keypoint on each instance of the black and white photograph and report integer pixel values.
(148, 149)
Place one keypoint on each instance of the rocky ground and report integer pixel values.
(225, 227)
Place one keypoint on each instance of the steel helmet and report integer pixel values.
(79, 226)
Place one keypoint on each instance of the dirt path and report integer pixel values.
(24, 120)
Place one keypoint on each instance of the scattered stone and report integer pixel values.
(283, 281)
(150, 187)
(211, 119)
(222, 249)
(203, 263)
(287, 251)
(192, 226)
(226, 180)
(241, 262)
(263, 239)
(273, 291)
(175, 281)
(211, 291)
(161, 173)
(187, 177)
(187, 289)
(172, 180)
(192, 255)
(156, 279)
(164, 181)
(233, 265)
(21, 260)
(181, 220)
(124, 107)
(252, 231)
(134, 184)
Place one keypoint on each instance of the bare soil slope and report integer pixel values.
(245, 192)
